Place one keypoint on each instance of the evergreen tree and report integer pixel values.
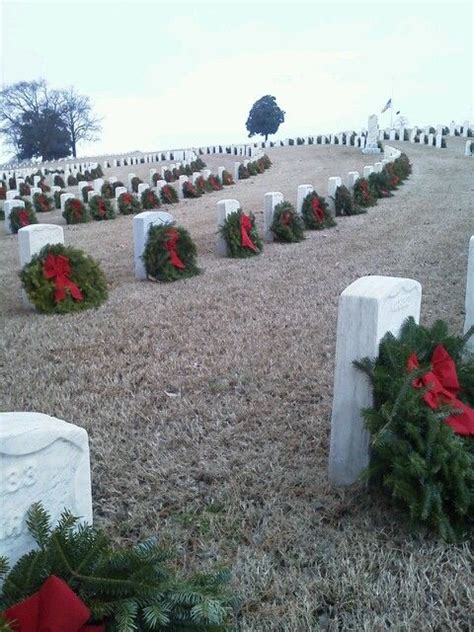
(265, 117)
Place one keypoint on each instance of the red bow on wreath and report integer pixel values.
(245, 226)
(364, 187)
(54, 608)
(57, 267)
(317, 210)
(24, 218)
(172, 239)
(443, 387)
(285, 218)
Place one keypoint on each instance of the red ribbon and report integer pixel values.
(317, 210)
(245, 226)
(24, 218)
(443, 387)
(172, 239)
(285, 218)
(57, 267)
(54, 608)
(364, 187)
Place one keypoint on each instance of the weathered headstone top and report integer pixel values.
(42, 459)
(371, 146)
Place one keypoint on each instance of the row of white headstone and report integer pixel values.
(44, 459)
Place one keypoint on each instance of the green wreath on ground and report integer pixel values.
(190, 191)
(402, 167)
(344, 203)
(107, 190)
(243, 172)
(227, 178)
(169, 195)
(62, 279)
(21, 217)
(422, 455)
(379, 184)
(287, 225)
(149, 200)
(201, 185)
(85, 192)
(57, 198)
(75, 212)
(101, 208)
(241, 235)
(214, 183)
(315, 212)
(170, 254)
(394, 181)
(128, 204)
(364, 196)
(43, 203)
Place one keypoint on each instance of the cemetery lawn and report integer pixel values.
(207, 401)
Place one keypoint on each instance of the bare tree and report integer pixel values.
(26, 98)
(76, 112)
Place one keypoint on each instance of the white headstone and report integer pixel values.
(439, 141)
(371, 146)
(270, 200)
(368, 170)
(392, 134)
(378, 167)
(129, 180)
(236, 171)
(97, 184)
(143, 186)
(8, 206)
(152, 173)
(467, 150)
(12, 193)
(141, 226)
(224, 208)
(42, 459)
(431, 140)
(181, 180)
(36, 180)
(368, 309)
(64, 197)
(352, 177)
(469, 320)
(303, 190)
(119, 191)
(220, 171)
(34, 237)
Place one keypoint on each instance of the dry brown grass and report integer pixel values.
(208, 401)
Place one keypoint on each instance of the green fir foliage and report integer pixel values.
(287, 225)
(344, 202)
(232, 234)
(315, 212)
(75, 212)
(101, 208)
(157, 258)
(129, 588)
(416, 458)
(85, 273)
(21, 217)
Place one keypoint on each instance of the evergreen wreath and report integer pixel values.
(122, 588)
(227, 178)
(259, 166)
(59, 181)
(190, 191)
(379, 184)
(85, 192)
(241, 235)
(315, 212)
(363, 195)
(62, 279)
(214, 183)
(252, 169)
(75, 212)
(402, 167)
(168, 195)
(71, 181)
(101, 208)
(107, 191)
(117, 184)
(128, 204)
(43, 203)
(3, 193)
(344, 202)
(156, 177)
(135, 182)
(243, 172)
(149, 200)
(422, 454)
(170, 254)
(43, 186)
(393, 179)
(168, 175)
(21, 217)
(287, 225)
(198, 164)
(200, 184)
(24, 189)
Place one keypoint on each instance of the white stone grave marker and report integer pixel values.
(224, 208)
(368, 309)
(141, 226)
(64, 197)
(469, 320)
(42, 459)
(303, 190)
(8, 206)
(368, 169)
(270, 200)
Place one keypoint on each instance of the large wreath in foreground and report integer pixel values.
(287, 225)
(170, 254)
(422, 426)
(241, 235)
(63, 279)
(315, 211)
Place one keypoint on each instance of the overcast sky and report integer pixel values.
(174, 74)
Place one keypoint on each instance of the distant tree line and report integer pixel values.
(38, 122)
